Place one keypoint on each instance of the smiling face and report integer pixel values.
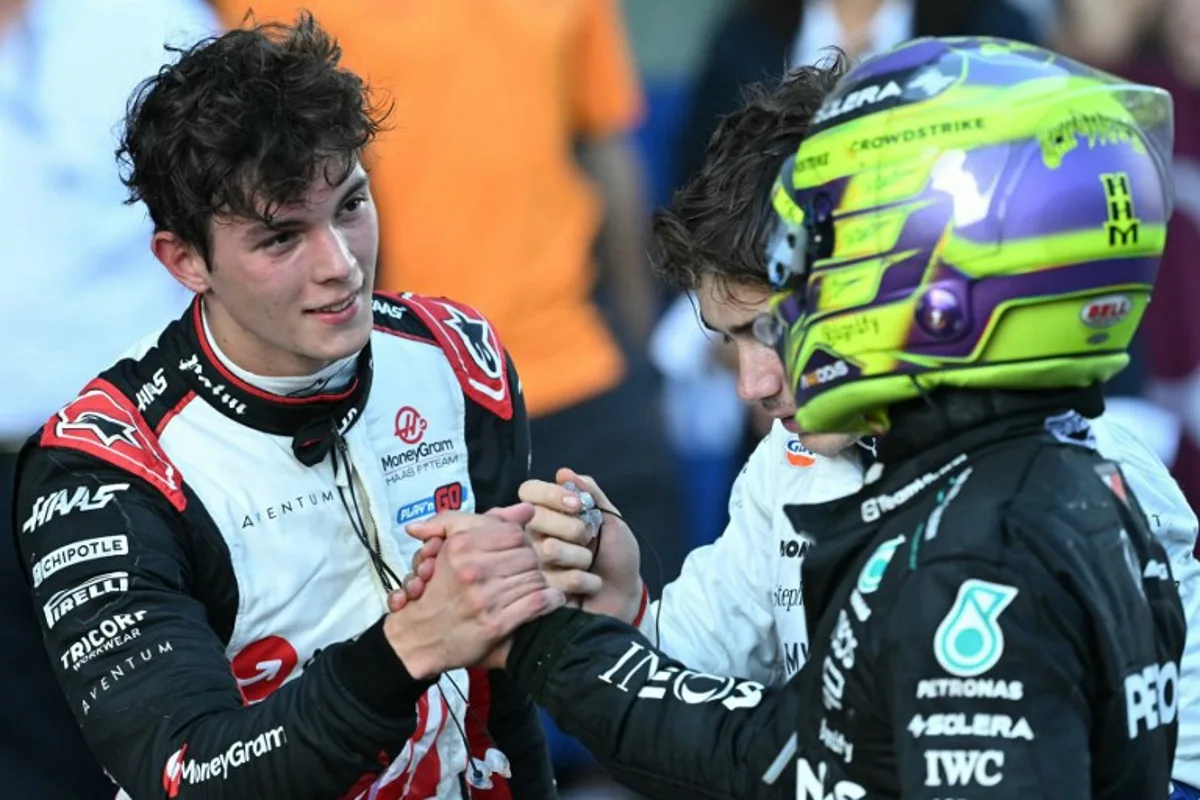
(288, 299)
(729, 309)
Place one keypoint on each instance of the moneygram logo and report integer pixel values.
(180, 770)
(416, 455)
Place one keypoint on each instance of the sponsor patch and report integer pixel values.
(105, 424)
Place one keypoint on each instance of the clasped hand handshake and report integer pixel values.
(478, 577)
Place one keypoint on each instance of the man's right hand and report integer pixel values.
(486, 584)
(606, 579)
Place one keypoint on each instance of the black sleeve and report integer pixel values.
(499, 463)
(498, 449)
(977, 620)
(659, 728)
(113, 568)
(514, 721)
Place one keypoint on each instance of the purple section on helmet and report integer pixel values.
(977, 182)
(998, 69)
(790, 309)
(987, 295)
(905, 57)
(1040, 201)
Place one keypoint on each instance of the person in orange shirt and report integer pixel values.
(504, 179)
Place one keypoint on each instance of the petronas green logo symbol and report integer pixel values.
(872, 572)
(969, 642)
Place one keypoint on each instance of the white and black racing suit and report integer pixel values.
(209, 564)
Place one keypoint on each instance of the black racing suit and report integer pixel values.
(989, 617)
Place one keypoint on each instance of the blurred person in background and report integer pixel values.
(508, 177)
(1158, 42)
(79, 283)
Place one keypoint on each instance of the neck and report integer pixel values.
(333, 377)
(922, 424)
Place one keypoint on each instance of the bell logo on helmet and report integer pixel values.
(969, 641)
(1105, 312)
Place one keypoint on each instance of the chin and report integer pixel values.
(827, 444)
(343, 343)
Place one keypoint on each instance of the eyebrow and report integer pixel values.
(737, 330)
(261, 228)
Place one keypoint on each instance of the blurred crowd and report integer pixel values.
(526, 149)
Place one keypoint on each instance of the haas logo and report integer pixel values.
(410, 425)
(472, 347)
(263, 666)
(103, 423)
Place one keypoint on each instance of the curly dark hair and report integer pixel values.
(717, 222)
(241, 124)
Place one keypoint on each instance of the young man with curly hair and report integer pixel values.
(213, 526)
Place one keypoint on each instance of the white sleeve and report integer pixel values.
(716, 616)
(1174, 524)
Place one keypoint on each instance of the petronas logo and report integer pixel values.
(872, 571)
(969, 642)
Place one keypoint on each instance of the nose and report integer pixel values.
(332, 258)
(760, 373)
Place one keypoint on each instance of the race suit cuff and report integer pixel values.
(537, 645)
(371, 671)
(641, 613)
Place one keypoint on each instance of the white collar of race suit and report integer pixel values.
(333, 378)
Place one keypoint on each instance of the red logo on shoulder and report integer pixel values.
(103, 423)
(472, 347)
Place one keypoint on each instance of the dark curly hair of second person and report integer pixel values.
(717, 223)
(242, 124)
